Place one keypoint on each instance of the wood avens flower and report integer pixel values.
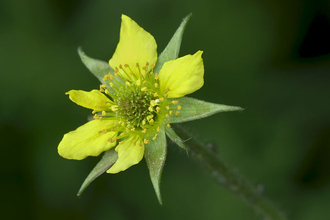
(140, 96)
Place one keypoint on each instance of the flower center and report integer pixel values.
(134, 106)
(140, 107)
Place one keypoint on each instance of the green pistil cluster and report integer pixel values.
(140, 107)
(133, 106)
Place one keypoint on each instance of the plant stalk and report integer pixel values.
(231, 180)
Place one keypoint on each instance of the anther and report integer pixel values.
(93, 112)
(179, 107)
(134, 143)
(175, 102)
(177, 112)
(147, 63)
(105, 77)
(150, 109)
(156, 85)
(153, 65)
(121, 142)
(120, 66)
(167, 107)
(158, 128)
(144, 89)
(158, 109)
(166, 116)
(168, 125)
(171, 112)
(104, 113)
(143, 122)
(146, 141)
(151, 121)
(126, 65)
(127, 83)
(144, 131)
(137, 64)
(156, 76)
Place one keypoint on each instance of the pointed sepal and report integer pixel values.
(108, 159)
(192, 109)
(155, 155)
(175, 138)
(171, 52)
(98, 68)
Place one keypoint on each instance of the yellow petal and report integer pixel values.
(93, 100)
(135, 46)
(182, 76)
(129, 153)
(90, 139)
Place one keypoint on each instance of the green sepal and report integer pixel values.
(171, 52)
(193, 109)
(155, 156)
(108, 159)
(175, 138)
(98, 68)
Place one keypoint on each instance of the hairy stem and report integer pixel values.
(231, 180)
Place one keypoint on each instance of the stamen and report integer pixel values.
(175, 102)
(177, 112)
(179, 107)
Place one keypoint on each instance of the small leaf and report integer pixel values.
(171, 52)
(108, 159)
(175, 138)
(155, 155)
(193, 109)
(99, 68)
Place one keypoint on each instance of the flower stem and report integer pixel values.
(230, 179)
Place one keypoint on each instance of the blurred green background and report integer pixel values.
(270, 57)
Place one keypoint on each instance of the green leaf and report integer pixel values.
(99, 68)
(175, 138)
(171, 52)
(155, 155)
(193, 109)
(108, 159)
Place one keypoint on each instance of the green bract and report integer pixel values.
(140, 96)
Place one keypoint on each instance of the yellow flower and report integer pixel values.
(134, 103)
